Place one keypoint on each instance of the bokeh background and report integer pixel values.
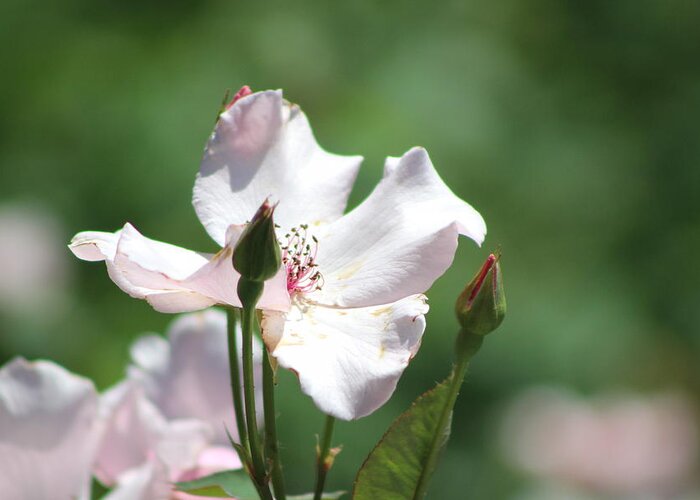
(572, 126)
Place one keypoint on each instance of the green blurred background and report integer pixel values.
(571, 126)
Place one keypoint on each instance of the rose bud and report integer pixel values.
(257, 254)
(482, 305)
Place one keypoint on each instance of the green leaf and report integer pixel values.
(225, 484)
(309, 496)
(400, 465)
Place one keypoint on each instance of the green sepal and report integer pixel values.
(224, 484)
(257, 253)
(249, 292)
(222, 106)
(400, 461)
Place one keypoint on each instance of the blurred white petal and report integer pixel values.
(49, 430)
(187, 376)
(33, 267)
(133, 429)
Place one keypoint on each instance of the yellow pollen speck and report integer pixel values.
(382, 350)
(349, 271)
(381, 311)
(224, 253)
(292, 342)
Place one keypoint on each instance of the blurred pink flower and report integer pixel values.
(346, 311)
(165, 423)
(143, 453)
(49, 431)
(621, 445)
(186, 375)
(33, 270)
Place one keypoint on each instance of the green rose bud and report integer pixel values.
(257, 254)
(481, 307)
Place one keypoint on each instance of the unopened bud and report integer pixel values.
(481, 307)
(257, 254)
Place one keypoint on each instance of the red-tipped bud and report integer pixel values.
(244, 91)
(481, 307)
(257, 254)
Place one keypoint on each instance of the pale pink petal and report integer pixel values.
(622, 446)
(263, 147)
(182, 443)
(178, 301)
(153, 264)
(133, 428)
(187, 376)
(170, 278)
(347, 360)
(210, 461)
(95, 245)
(49, 429)
(398, 241)
(217, 458)
(149, 481)
(142, 453)
(33, 271)
(182, 455)
(143, 267)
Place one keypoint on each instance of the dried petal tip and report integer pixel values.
(244, 91)
(481, 307)
(257, 254)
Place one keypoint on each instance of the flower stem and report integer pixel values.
(467, 346)
(236, 379)
(323, 464)
(249, 292)
(271, 444)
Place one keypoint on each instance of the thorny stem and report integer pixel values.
(271, 444)
(236, 379)
(467, 345)
(248, 319)
(322, 462)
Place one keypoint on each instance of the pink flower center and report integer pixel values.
(299, 257)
